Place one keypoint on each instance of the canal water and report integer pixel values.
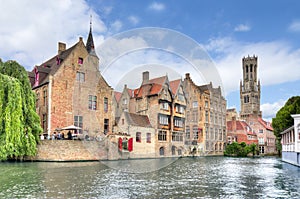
(207, 177)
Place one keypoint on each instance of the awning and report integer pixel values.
(72, 127)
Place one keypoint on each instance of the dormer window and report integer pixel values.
(80, 60)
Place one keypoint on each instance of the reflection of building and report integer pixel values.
(250, 114)
(70, 90)
(290, 140)
(206, 116)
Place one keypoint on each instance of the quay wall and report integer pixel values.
(291, 157)
(75, 150)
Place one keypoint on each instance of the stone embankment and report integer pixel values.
(75, 150)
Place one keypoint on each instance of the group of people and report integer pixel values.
(61, 136)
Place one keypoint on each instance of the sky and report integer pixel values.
(166, 37)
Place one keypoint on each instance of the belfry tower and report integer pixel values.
(250, 89)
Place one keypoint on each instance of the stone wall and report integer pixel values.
(74, 150)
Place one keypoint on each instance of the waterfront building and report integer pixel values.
(135, 136)
(121, 101)
(290, 140)
(239, 131)
(71, 91)
(250, 107)
(206, 118)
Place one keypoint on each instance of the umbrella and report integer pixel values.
(72, 127)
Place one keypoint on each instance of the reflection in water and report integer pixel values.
(210, 177)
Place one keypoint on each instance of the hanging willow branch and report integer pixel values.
(19, 123)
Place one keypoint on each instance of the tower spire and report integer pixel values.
(90, 41)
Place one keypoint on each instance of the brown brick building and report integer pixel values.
(70, 90)
(206, 118)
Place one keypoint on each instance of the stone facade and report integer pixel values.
(71, 91)
(250, 88)
(206, 113)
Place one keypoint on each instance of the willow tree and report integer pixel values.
(19, 123)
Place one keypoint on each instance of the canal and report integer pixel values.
(207, 177)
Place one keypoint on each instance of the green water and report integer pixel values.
(209, 177)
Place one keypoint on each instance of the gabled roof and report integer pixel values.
(53, 64)
(266, 124)
(240, 126)
(153, 87)
(174, 85)
(118, 96)
(137, 120)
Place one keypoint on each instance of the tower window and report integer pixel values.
(80, 60)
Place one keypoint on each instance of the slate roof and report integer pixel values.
(52, 65)
(137, 120)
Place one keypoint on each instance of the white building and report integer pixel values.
(290, 140)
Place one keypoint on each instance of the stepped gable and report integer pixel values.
(137, 120)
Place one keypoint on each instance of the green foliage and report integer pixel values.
(240, 150)
(283, 119)
(19, 123)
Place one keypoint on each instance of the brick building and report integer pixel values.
(71, 91)
(250, 113)
(206, 116)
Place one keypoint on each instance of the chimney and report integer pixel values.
(145, 77)
(187, 75)
(61, 47)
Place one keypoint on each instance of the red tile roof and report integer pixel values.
(266, 124)
(174, 85)
(117, 96)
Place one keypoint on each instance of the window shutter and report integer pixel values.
(130, 144)
(120, 143)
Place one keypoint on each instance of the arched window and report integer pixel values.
(173, 150)
(161, 151)
(179, 152)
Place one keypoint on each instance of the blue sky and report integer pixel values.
(227, 30)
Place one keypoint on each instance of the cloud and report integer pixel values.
(133, 20)
(157, 6)
(277, 61)
(116, 26)
(30, 30)
(242, 28)
(269, 110)
(294, 26)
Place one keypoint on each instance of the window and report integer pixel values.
(92, 102)
(44, 123)
(80, 76)
(177, 136)
(178, 122)
(80, 60)
(261, 141)
(180, 97)
(106, 126)
(161, 151)
(125, 101)
(122, 121)
(261, 131)
(138, 137)
(206, 104)
(187, 133)
(162, 135)
(164, 106)
(173, 150)
(45, 97)
(105, 104)
(195, 132)
(37, 98)
(148, 137)
(163, 119)
(206, 116)
(195, 104)
(78, 122)
(179, 109)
